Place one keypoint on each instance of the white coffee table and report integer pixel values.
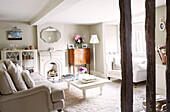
(78, 84)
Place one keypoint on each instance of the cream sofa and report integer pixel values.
(36, 94)
(114, 69)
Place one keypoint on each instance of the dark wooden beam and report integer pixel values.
(126, 56)
(168, 55)
(150, 52)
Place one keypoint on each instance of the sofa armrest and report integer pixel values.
(25, 93)
(39, 94)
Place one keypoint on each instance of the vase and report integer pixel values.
(77, 46)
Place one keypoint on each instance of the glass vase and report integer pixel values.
(77, 46)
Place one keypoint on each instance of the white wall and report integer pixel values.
(28, 34)
(111, 38)
(160, 36)
(67, 33)
(100, 48)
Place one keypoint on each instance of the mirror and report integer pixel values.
(50, 35)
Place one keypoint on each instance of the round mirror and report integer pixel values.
(50, 35)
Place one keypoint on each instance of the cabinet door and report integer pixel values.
(86, 56)
(78, 56)
(13, 56)
(28, 60)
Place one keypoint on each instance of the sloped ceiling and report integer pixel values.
(66, 11)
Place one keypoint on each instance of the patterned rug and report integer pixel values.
(109, 101)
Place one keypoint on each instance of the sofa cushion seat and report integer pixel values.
(56, 92)
(115, 73)
(36, 76)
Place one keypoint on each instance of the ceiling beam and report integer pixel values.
(48, 8)
(55, 7)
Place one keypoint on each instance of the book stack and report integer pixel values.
(68, 76)
(88, 79)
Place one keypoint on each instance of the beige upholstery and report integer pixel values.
(16, 77)
(44, 97)
(6, 83)
(27, 78)
(56, 93)
(113, 69)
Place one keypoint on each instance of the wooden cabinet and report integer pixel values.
(78, 57)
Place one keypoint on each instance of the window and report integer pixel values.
(138, 39)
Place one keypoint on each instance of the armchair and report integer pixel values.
(113, 69)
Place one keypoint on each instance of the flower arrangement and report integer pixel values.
(82, 69)
(162, 49)
(78, 39)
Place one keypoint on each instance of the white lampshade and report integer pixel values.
(94, 39)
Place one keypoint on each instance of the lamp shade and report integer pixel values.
(94, 39)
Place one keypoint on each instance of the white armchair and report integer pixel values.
(139, 69)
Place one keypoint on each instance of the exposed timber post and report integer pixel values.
(168, 55)
(150, 52)
(126, 56)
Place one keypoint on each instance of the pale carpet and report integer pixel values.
(109, 101)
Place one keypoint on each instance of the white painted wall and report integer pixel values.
(160, 36)
(28, 34)
(160, 39)
(100, 49)
(111, 38)
(67, 33)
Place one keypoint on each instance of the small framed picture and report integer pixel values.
(70, 46)
(84, 46)
(14, 35)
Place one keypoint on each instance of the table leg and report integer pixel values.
(89, 68)
(84, 93)
(101, 88)
(69, 68)
(68, 84)
(74, 69)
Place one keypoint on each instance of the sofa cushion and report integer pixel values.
(27, 78)
(117, 63)
(16, 76)
(6, 84)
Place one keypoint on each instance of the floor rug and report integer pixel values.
(109, 101)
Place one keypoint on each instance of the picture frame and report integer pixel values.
(14, 35)
(84, 46)
(162, 26)
(70, 46)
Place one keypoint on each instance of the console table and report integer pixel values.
(78, 57)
